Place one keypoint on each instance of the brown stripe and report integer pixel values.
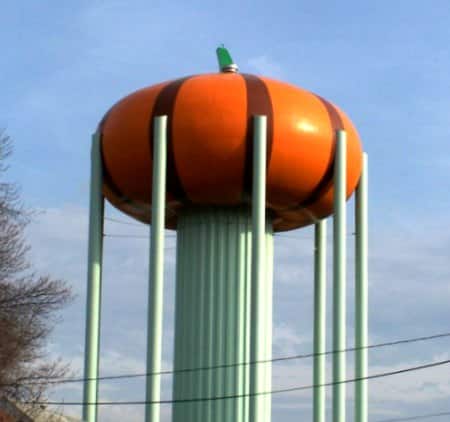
(258, 103)
(335, 118)
(327, 179)
(107, 178)
(164, 106)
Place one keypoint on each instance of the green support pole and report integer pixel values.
(220, 339)
(339, 277)
(156, 270)
(257, 381)
(202, 327)
(231, 345)
(320, 263)
(213, 306)
(94, 285)
(361, 295)
(209, 323)
(180, 298)
(268, 312)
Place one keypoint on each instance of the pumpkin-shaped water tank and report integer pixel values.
(209, 159)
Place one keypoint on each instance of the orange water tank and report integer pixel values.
(209, 156)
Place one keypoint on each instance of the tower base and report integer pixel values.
(213, 325)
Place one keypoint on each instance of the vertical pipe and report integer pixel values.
(209, 316)
(247, 321)
(232, 345)
(180, 295)
(187, 316)
(258, 265)
(320, 262)
(241, 320)
(208, 298)
(268, 324)
(189, 234)
(202, 295)
(339, 277)
(156, 269)
(361, 295)
(219, 405)
(94, 285)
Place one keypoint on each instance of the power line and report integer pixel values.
(39, 380)
(416, 418)
(281, 235)
(168, 235)
(135, 236)
(115, 220)
(262, 393)
(143, 225)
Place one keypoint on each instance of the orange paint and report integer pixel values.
(209, 151)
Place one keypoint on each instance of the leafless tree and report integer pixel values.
(29, 303)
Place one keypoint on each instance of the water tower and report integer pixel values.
(226, 160)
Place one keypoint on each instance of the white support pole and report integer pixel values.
(320, 268)
(258, 267)
(339, 277)
(361, 295)
(94, 285)
(156, 270)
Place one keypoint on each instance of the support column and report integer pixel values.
(361, 295)
(156, 270)
(339, 277)
(320, 297)
(213, 307)
(257, 381)
(94, 285)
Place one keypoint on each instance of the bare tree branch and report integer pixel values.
(29, 303)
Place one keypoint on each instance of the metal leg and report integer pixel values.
(94, 285)
(155, 299)
(339, 277)
(320, 262)
(361, 295)
(258, 266)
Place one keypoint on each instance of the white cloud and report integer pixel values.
(266, 66)
(286, 340)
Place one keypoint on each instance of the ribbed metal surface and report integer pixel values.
(213, 315)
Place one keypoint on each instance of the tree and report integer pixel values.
(29, 302)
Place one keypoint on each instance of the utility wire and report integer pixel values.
(142, 225)
(115, 220)
(135, 236)
(416, 418)
(140, 236)
(238, 396)
(40, 380)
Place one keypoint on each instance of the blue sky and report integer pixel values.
(387, 64)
